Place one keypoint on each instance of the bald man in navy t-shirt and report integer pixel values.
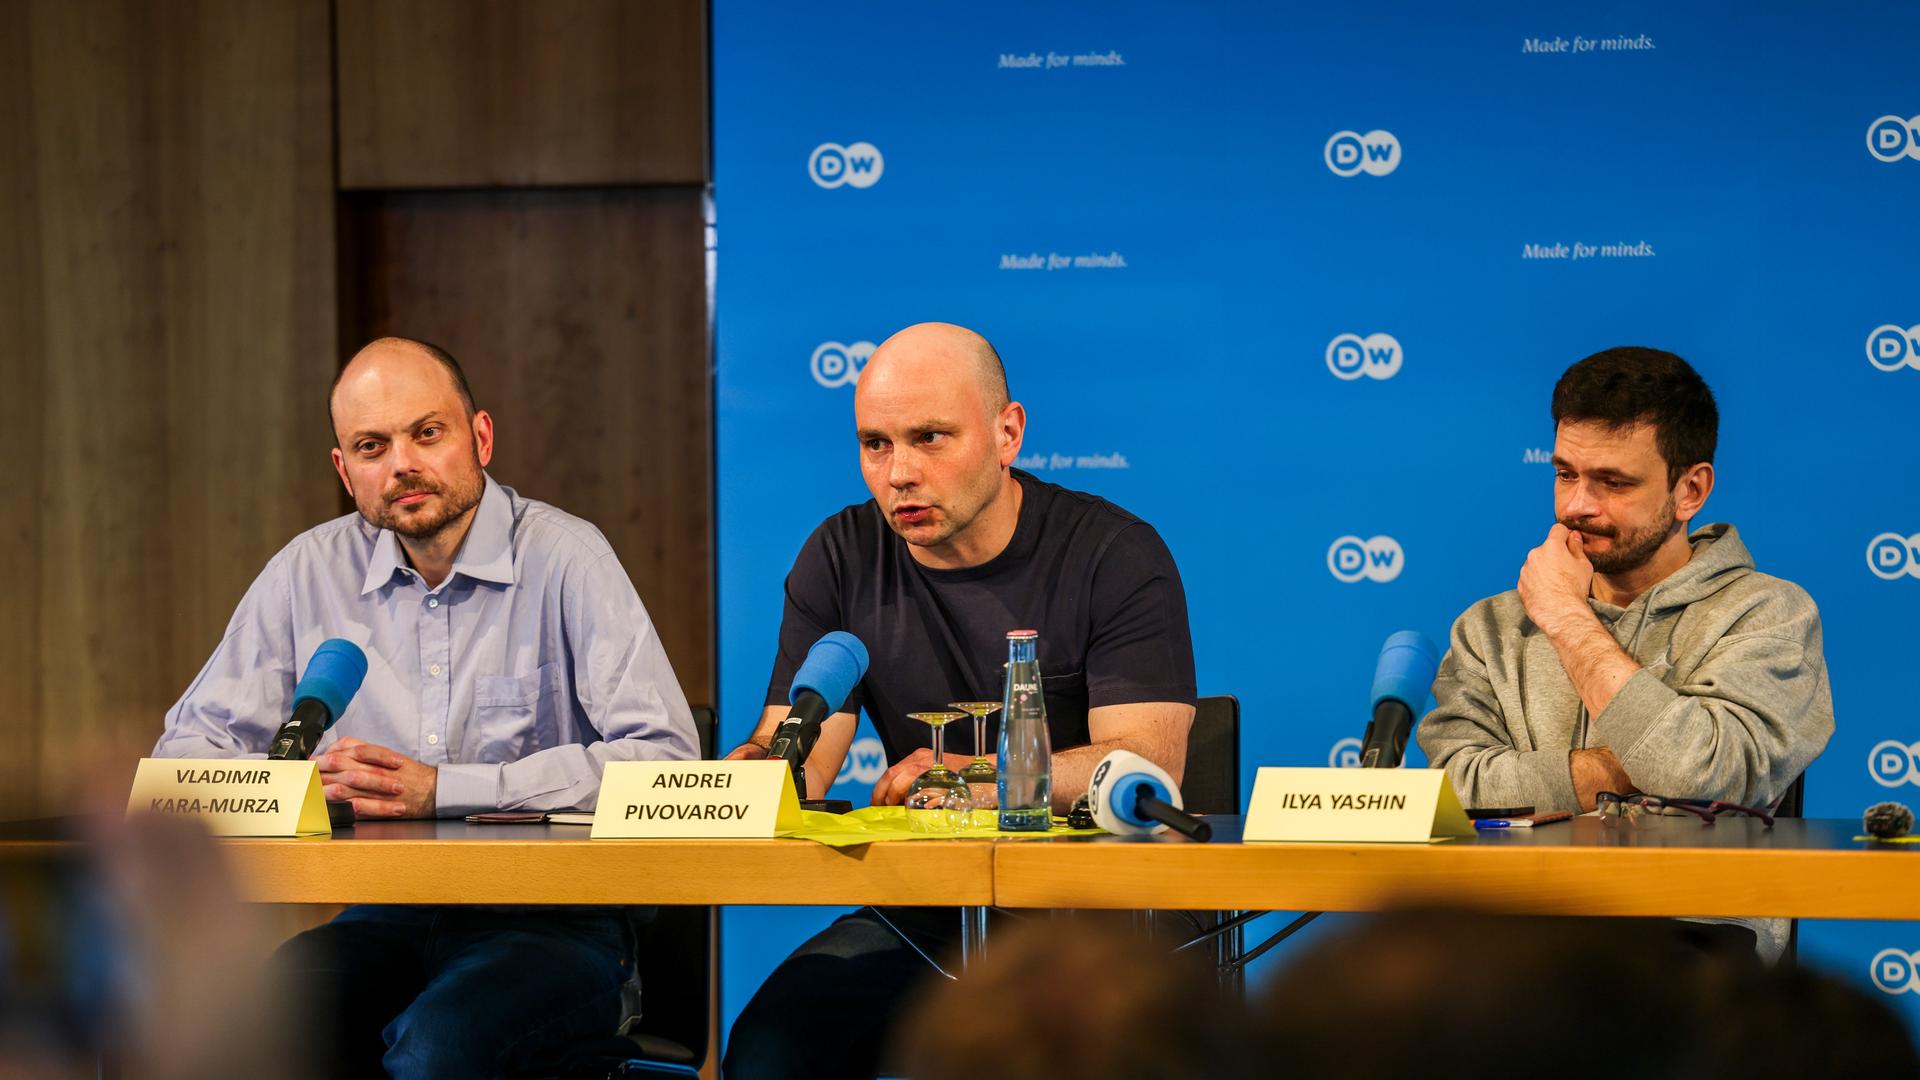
(955, 549)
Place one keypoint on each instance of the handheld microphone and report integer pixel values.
(332, 678)
(1401, 681)
(1132, 796)
(833, 667)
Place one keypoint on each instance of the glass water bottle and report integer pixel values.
(1026, 754)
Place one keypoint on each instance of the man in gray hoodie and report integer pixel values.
(1633, 656)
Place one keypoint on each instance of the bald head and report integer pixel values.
(938, 437)
(383, 359)
(409, 444)
(941, 357)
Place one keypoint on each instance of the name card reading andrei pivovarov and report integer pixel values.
(233, 797)
(1349, 805)
(664, 799)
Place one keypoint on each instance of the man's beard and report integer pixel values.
(1631, 550)
(453, 503)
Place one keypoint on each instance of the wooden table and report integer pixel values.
(454, 862)
(1802, 869)
(1810, 869)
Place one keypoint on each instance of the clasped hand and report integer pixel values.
(381, 783)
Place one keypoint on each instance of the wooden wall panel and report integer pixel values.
(167, 300)
(581, 318)
(521, 93)
(22, 399)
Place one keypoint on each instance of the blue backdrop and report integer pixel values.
(1295, 284)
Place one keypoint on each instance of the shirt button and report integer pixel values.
(434, 670)
(433, 601)
(433, 740)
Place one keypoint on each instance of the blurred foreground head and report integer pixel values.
(1055, 999)
(1466, 994)
(132, 950)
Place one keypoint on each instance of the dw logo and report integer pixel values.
(831, 165)
(1376, 153)
(1891, 348)
(1893, 763)
(1345, 755)
(835, 364)
(1891, 138)
(1377, 356)
(1377, 558)
(1892, 556)
(866, 762)
(1896, 971)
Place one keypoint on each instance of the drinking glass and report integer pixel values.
(939, 801)
(980, 770)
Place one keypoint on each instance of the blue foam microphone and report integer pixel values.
(833, 667)
(332, 677)
(1401, 682)
(1131, 796)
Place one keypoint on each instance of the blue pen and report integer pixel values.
(1523, 822)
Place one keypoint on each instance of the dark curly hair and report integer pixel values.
(1630, 385)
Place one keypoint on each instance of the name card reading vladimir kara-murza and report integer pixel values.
(654, 799)
(235, 797)
(1389, 805)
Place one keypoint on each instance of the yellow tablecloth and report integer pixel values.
(871, 824)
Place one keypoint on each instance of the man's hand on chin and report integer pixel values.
(381, 783)
(1555, 583)
(1554, 586)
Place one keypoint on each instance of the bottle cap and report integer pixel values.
(1011, 634)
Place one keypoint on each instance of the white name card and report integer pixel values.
(652, 799)
(1354, 805)
(234, 796)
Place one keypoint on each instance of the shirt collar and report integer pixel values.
(485, 555)
(487, 552)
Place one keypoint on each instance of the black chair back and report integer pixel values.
(1791, 805)
(1795, 799)
(706, 724)
(1211, 784)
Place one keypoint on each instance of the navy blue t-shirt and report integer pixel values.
(1095, 581)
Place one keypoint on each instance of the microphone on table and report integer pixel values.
(332, 678)
(1401, 682)
(833, 667)
(1133, 796)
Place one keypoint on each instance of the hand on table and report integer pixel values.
(893, 785)
(381, 783)
(746, 751)
(1595, 770)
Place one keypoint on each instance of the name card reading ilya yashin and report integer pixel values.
(653, 799)
(1388, 805)
(234, 797)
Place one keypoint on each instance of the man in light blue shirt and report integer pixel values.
(508, 659)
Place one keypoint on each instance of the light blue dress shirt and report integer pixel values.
(529, 668)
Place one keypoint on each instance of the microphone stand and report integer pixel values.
(794, 751)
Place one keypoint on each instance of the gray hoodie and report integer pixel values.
(1731, 701)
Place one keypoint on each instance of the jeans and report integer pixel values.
(458, 991)
(866, 971)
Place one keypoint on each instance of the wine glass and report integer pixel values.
(939, 801)
(980, 770)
